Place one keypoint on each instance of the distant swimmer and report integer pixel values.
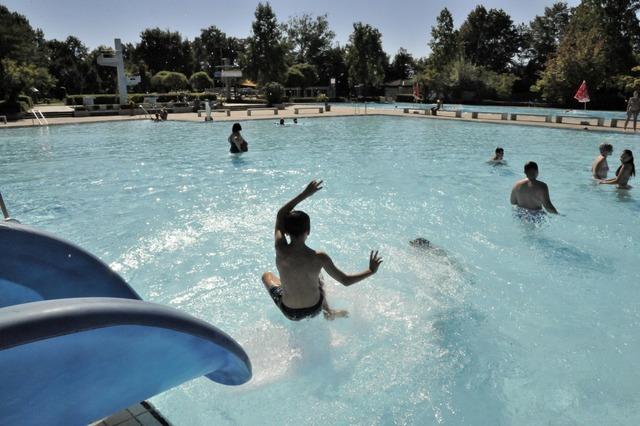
(498, 157)
(299, 292)
(236, 141)
(530, 193)
(295, 120)
(600, 167)
(633, 108)
(624, 172)
(282, 121)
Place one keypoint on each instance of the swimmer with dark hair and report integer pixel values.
(498, 157)
(624, 171)
(532, 194)
(420, 243)
(282, 121)
(237, 142)
(299, 291)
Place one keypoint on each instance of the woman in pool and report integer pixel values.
(624, 172)
(237, 142)
(600, 167)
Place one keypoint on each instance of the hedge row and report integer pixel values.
(138, 98)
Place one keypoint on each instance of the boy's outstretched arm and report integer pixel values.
(349, 279)
(313, 187)
(5, 212)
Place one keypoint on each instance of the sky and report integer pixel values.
(404, 24)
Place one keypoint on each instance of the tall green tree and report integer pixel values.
(402, 66)
(309, 37)
(366, 59)
(489, 38)
(18, 40)
(588, 52)
(444, 43)
(332, 64)
(212, 46)
(266, 48)
(164, 50)
(68, 63)
(545, 33)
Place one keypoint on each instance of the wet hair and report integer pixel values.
(236, 127)
(606, 147)
(633, 166)
(297, 223)
(420, 242)
(282, 121)
(530, 166)
(499, 150)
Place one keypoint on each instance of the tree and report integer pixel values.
(309, 37)
(100, 79)
(444, 42)
(301, 75)
(265, 55)
(67, 61)
(332, 64)
(169, 80)
(489, 38)
(586, 52)
(544, 35)
(200, 81)
(403, 66)
(212, 46)
(18, 40)
(365, 58)
(17, 79)
(164, 50)
(273, 92)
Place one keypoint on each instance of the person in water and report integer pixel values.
(282, 121)
(633, 108)
(624, 172)
(600, 167)
(299, 292)
(498, 157)
(530, 193)
(236, 141)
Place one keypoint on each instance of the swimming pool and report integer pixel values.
(513, 324)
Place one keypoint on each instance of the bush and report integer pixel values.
(200, 81)
(273, 92)
(169, 80)
(9, 108)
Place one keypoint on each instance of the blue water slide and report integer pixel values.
(35, 265)
(74, 361)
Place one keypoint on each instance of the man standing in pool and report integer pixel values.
(530, 193)
(300, 292)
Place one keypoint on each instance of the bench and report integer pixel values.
(456, 113)
(599, 120)
(416, 111)
(320, 109)
(514, 116)
(3, 118)
(250, 110)
(503, 115)
(614, 121)
(228, 111)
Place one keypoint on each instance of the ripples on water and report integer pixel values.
(504, 323)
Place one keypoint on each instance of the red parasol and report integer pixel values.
(582, 95)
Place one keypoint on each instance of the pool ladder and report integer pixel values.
(41, 120)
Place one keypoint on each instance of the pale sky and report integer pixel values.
(402, 24)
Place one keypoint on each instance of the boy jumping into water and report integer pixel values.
(300, 292)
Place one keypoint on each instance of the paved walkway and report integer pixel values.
(288, 114)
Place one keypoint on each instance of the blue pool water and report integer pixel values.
(510, 323)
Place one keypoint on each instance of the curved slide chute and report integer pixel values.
(74, 361)
(35, 265)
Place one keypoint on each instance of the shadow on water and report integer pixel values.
(561, 251)
(238, 160)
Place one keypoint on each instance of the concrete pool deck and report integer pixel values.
(336, 111)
